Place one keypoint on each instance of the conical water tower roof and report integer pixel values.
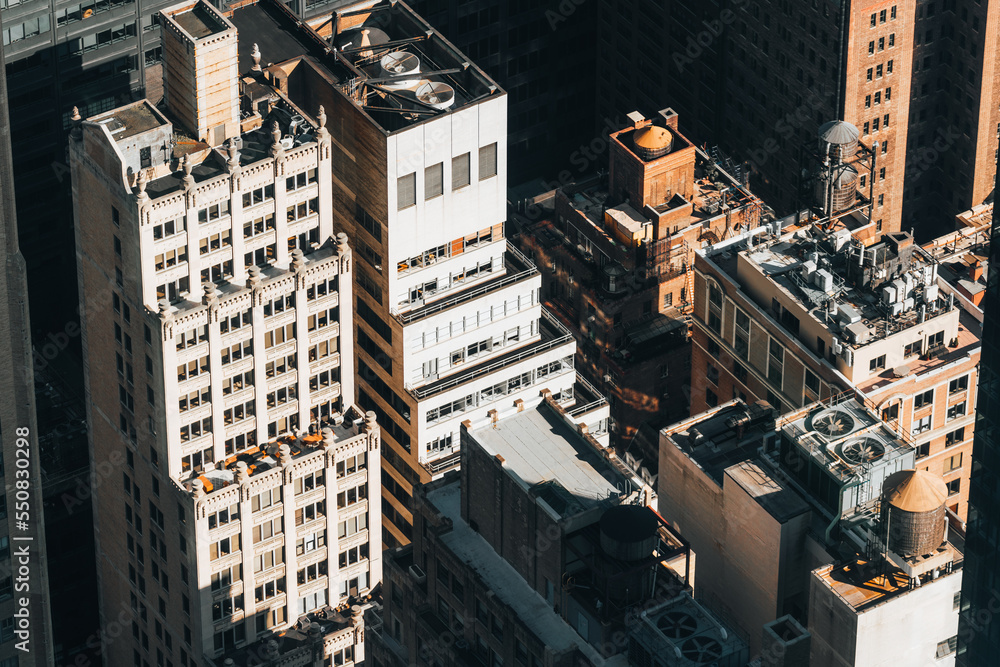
(838, 132)
(915, 491)
(653, 138)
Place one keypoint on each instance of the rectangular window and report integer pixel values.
(460, 171)
(954, 486)
(955, 437)
(487, 162)
(957, 410)
(958, 384)
(876, 364)
(921, 425)
(434, 181)
(406, 191)
(923, 400)
(953, 462)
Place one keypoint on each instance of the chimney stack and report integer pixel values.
(201, 71)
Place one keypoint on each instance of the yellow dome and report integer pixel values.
(653, 138)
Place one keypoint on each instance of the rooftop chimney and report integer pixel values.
(200, 71)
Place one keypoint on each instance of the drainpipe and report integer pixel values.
(840, 509)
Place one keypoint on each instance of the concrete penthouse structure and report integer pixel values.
(620, 254)
(23, 510)
(449, 326)
(802, 314)
(219, 366)
(831, 527)
(758, 78)
(562, 565)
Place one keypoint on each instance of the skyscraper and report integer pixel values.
(979, 631)
(22, 535)
(219, 358)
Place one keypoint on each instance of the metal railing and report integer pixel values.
(563, 336)
(522, 264)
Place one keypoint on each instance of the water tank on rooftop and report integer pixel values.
(652, 142)
(629, 534)
(838, 139)
(836, 187)
(614, 278)
(359, 38)
(913, 512)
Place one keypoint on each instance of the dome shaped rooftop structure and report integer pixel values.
(838, 139)
(652, 142)
(915, 491)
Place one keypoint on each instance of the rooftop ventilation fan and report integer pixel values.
(677, 624)
(861, 450)
(833, 423)
(701, 650)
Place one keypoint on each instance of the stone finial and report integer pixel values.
(328, 439)
(164, 307)
(253, 277)
(284, 455)
(298, 260)
(370, 422)
(275, 136)
(271, 649)
(140, 184)
(357, 613)
(197, 488)
(210, 298)
(234, 155)
(321, 120)
(242, 472)
(77, 119)
(255, 54)
(188, 179)
(342, 242)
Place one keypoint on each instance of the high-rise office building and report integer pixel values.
(219, 364)
(22, 534)
(760, 77)
(979, 633)
(449, 326)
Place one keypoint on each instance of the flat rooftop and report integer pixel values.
(780, 501)
(129, 121)
(709, 441)
(199, 22)
(503, 580)
(400, 72)
(863, 584)
(540, 448)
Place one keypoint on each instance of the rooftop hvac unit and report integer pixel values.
(833, 423)
(836, 346)
(908, 304)
(847, 314)
(888, 295)
(848, 356)
(435, 94)
(859, 451)
(931, 294)
(896, 309)
(823, 280)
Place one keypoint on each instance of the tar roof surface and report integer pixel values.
(273, 33)
(538, 446)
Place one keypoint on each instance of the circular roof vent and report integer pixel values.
(360, 38)
(652, 142)
(435, 94)
(701, 650)
(677, 624)
(833, 423)
(399, 65)
(861, 450)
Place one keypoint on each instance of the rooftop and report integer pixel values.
(863, 584)
(509, 587)
(400, 72)
(715, 441)
(199, 22)
(548, 457)
(131, 120)
(265, 457)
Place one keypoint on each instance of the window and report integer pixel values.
(406, 191)
(913, 349)
(741, 341)
(921, 425)
(923, 400)
(713, 374)
(460, 171)
(714, 308)
(891, 413)
(923, 450)
(876, 364)
(434, 181)
(957, 410)
(487, 162)
(958, 384)
(953, 462)
(954, 486)
(711, 399)
(775, 362)
(955, 437)
(812, 382)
